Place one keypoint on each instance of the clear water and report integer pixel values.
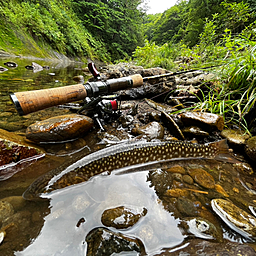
(50, 227)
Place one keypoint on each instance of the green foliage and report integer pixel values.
(117, 23)
(49, 22)
(227, 41)
(151, 55)
(106, 30)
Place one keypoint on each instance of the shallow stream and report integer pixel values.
(59, 225)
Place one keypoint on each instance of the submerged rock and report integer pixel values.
(176, 169)
(59, 128)
(17, 202)
(122, 217)
(6, 210)
(102, 241)
(206, 121)
(202, 177)
(186, 207)
(236, 218)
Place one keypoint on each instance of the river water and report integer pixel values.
(50, 227)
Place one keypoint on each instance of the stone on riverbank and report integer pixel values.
(206, 121)
(153, 130)
(235, 137)
(59, 128)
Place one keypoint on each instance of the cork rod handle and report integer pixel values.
(32, 101)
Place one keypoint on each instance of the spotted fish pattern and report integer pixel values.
(120, 156)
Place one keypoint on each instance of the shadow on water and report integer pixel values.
(59, 225)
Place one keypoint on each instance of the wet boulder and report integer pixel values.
(15, 154)
(59, 128)
(35, 67)
(236, 218)
(153, 130)
(153, 72)
(122, 217)
(102, 241)
(250, 148)
(206, 121)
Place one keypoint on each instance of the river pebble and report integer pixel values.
(177, 192)
(186, 207)
(187, 179)
(122, 217)
(177, 169)
(202, 177)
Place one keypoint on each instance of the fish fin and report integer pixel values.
(224, 154)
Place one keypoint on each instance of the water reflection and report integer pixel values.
(20, 79)
(61, 236)
(61, 227)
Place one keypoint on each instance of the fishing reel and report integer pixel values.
(103, 108)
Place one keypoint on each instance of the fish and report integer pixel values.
(123, 155)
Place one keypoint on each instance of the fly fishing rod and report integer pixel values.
(32, 101)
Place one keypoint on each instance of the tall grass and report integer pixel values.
(233, 56)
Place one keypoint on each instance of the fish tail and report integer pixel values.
(223, 153)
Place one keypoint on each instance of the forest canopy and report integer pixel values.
(114, 29)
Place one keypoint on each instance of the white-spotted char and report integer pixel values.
(123, 155)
